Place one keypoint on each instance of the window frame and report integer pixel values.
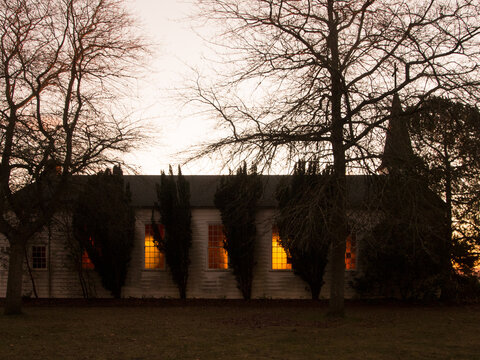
(228, 268)
(156, 250)
(35, 258)
(354, 246)
(273, 230)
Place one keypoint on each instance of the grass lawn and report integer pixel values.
(237, 330)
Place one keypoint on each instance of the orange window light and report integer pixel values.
(217, 255)
(280, 258)
(154, 259)
(87, 263)
(350, 253)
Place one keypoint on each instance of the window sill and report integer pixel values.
(219, 270)
(154, 270)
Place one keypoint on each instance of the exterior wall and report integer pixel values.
(61, 279)
(268, 283)
(3, 266)
(202, 283)
(283, 284)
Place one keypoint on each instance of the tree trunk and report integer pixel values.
(183, 293)
(337, 259)
(337, 269)
(182, 286)
(448, 292)
(32, 279)
(337, 256)
(448, 201)
(315, 292)
(13, 301)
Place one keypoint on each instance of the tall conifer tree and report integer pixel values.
(236, 198)
(175, 215)
(304, 222)
(104, 225)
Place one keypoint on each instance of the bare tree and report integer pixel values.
(322, 73)
(62, 63)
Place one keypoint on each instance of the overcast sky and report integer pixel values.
(177, 49)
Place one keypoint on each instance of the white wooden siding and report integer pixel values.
(62, 281)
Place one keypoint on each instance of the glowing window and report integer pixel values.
(217, 255)
(350, 253)
(280, 259)
(86, 262)
(154, 259)
(39, 257)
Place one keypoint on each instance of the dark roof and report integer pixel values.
(203, 187)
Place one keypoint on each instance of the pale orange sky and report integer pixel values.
(178, 47)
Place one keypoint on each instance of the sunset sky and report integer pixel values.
(177, 49)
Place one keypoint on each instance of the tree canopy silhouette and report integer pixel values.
(173, 195)
(446, 134)
(304, 223)
(236, 198)
(321, 74)
(104, 224)
(63, 66)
